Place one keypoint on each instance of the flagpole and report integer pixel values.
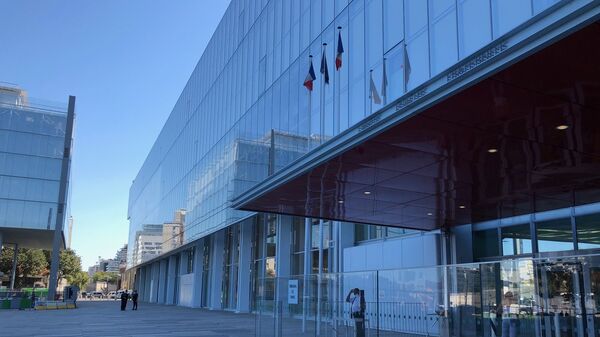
(322, 124)
(321, 99)
(337, 127)
(309, 108)
(384, 83)
(370, 92)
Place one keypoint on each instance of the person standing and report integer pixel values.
(124, 298)
(33, 298)
(134, 299)
(357, 310)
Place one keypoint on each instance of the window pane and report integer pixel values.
(474, 27)
(374, 38)
(516, 240)
(444, 51)
(485, 243)
(361, 232)
(394, 67)
(507, 14)
(356, 62)
(555, 235)
(375, 232)
(418, 59)
(588, 231)
(541, 5)
(298, 228)
(416, 16)
(393, 23)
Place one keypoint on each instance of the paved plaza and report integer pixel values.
(104, 318)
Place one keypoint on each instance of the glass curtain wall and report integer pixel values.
(364, 232)
(31, 150)
(230, 267)
(577, 233)
(248, 87)
(206, 271)
(258, 263)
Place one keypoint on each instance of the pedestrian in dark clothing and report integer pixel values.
(33, 298)
(134, 299)
(124, 298)
(356, 298)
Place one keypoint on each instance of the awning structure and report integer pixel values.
(526, 139)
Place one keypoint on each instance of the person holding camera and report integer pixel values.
(356, 298)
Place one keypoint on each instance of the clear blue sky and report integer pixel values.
(127, 62)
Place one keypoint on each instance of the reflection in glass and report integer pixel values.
(555, 235)
(516, 240)
(485, 243)
(588, 231)
(394, 67)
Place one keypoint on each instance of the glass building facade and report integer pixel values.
(31, 151)
(34, 170)
(245, 120)
(248, 87)
(32, 146)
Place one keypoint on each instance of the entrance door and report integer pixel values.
(562, 309)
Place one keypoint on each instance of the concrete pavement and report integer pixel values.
(104, 318)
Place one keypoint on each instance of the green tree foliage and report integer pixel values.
(36, 262)
(30, 262)
(103, 276)
(80, 279)
(70, 264)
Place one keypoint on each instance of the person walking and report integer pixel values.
(357, 310)
(124, 298)
(134, 299)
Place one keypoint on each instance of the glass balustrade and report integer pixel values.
(545, 297)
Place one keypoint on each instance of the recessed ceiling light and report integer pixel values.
(462, 206)
(492, 150)
(340, 201)
(367, 192)
(562, 127)
(430, 214)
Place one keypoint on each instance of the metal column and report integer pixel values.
(14, 268)
(62, 200)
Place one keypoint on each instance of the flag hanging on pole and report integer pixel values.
(406, 65)
(340, 51)
(310, 77)
(374, 94)
(324, 69)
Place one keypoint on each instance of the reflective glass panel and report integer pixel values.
(516, 240)
(485, 243)
(588, 231)
(555, 235)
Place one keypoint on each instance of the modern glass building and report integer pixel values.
(35, 146)
(447, 166)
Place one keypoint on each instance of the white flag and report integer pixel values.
(374, 94)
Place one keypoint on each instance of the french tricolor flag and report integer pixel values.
(310, 77)
(340, 51)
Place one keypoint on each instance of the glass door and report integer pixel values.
(562, 300)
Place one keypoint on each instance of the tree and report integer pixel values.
(80, 279)
(103, 276)
(30, 263)
(69, 265)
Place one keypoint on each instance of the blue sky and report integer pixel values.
(127, 62)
